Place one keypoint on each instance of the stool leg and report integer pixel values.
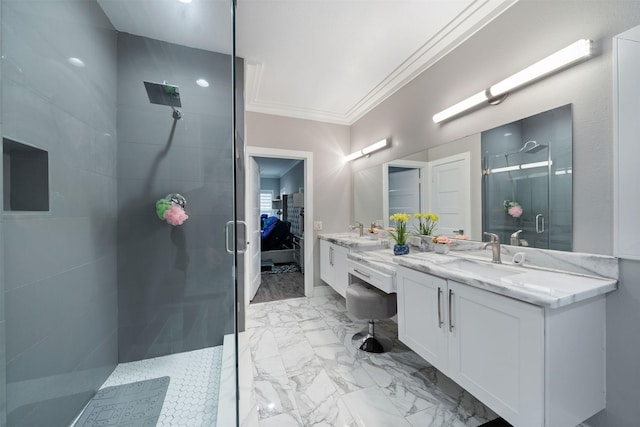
(371, 343)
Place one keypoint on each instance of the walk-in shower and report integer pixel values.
(101, 286)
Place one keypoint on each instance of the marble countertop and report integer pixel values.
(353, 240)
(543, 287)
(546, 287)
(380, 260)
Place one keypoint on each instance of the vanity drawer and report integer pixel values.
(384, 282)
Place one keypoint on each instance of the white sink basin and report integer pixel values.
(482, 269)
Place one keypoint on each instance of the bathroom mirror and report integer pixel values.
(527, 181)
(551, 128)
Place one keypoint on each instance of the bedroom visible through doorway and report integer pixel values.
(281, 210)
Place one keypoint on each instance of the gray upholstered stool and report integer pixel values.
(367, 302)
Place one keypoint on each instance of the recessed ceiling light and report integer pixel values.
(202, 83)
(76, 62)
(185, 1)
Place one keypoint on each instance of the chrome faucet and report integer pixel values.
(495, 247)
(515, 239)
(360, 228)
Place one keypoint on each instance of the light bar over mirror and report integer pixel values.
(563, 58)
(366, 151)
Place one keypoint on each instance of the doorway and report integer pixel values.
(279, 205)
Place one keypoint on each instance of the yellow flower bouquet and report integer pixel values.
(399, 233)
(426, 223)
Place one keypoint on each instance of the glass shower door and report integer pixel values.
(516, 197)
(116, 279)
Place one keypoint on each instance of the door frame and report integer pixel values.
(307, 158)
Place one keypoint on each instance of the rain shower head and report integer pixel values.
(163, 94)
(532, 147)
(527, 148)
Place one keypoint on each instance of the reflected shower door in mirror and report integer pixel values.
(527, 181)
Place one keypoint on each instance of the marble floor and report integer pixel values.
(307, 373)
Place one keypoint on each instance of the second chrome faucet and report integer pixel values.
(495, 247)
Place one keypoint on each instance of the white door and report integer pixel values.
(254, 228)
(450, 194)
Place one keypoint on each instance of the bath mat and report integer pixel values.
(128, 405)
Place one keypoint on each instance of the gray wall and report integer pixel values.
(331, 175)
(526, 32)
(272, 184)
(175, 289)
(293, 180)
(60, 269)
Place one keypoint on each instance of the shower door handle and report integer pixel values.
(226, 236)
(539, 224)
(226, 233)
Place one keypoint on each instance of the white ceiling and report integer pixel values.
(328, 60)
(271, 167)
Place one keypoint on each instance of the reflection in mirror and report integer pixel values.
(552, 128)
(527, 181)
(367, 196)
(402, 189)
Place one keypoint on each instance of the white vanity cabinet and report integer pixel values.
(422, 315)
(533, 366)
(333, 266)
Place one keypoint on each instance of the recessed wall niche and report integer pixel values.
(26, 177)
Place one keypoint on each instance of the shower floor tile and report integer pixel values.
(192, 397)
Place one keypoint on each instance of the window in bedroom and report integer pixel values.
(266, 196)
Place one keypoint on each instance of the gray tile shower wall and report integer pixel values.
(60, 270)
(175, 291)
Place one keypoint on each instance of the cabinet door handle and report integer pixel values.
(450, 311)
(440, 322)
(331, 256)
(355, 270)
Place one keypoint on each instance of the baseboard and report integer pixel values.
(323, 291)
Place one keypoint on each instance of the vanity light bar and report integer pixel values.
(460, 107)
(562, 58)
(571, 54)
(367, 150)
